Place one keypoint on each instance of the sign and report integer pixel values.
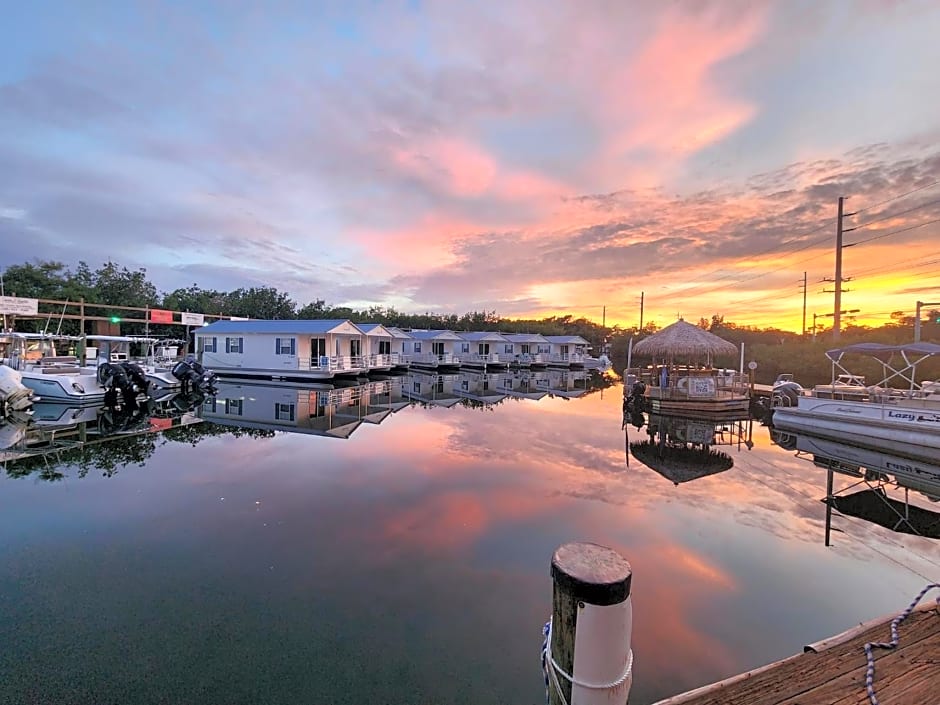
(15, 304)
(238, 318)
(752, 365)
(160, 316)
(192, 319)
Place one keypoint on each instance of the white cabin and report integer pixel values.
(286, 350)
(433, 348)
(401, 343)
(380, 352)
(482, 349)
(527, 349)
(568, 350)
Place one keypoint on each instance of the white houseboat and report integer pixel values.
(433, 349)
(288, 350)
(482, 349)
(899, 408)
(401, 343)
(567, 350)
(379, 350)
(527, 349)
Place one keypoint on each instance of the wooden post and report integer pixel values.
(592, 620)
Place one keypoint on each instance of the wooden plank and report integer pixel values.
(837, 674)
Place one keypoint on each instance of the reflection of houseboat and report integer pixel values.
(909, 414)
(683, 379)
(283, 350)
(431, 388)
(479, 386)
(321, 412)
(565, 383)
(521, 383)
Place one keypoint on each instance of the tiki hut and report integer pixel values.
(684, 341)
(682, 378)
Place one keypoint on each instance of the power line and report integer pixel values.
(894, 232)
(895, 215)
(895, 198)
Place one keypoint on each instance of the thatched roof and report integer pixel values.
(684, 340)
(680, 463)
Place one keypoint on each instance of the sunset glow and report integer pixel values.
(529, 158)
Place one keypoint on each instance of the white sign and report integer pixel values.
(192, 319)
(15, 304)
(238, 318)
(752, 365)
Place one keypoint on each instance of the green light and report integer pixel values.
(115, 319)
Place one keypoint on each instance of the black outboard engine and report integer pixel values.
(113, 377)
(786, 394)
(136, 374)
(194, 377)
(636, 400)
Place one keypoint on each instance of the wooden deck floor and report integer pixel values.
(835, 675)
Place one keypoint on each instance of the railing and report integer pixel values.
(567, 358)
(689, 383)
(337, 363)
(430, 358)
(478, 358)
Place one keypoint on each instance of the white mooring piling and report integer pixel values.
(588, 659)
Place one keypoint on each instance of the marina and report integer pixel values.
(331, 467)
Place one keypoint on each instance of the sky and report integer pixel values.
(526, 157)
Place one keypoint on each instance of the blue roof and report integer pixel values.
(433, 335)
(475, 336)
(567, 339)
(525, 337)
(286, 326)
(377, 328)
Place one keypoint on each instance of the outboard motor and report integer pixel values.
(786, 394)
(14, 396)
(194, 377)
(636, 399)
(136, 374)
(113, 377)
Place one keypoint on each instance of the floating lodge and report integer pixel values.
(292, 350)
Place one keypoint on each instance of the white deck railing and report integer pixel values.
(336, 363)
(479, 358)
(434, 359)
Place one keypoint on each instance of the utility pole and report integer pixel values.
(804, 306)
(604, 319)
(641, 310)
(838, 279)
(920, 305)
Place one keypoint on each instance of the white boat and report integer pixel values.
(15, 397)
(908, 415)
(56, 377)
(117, 348)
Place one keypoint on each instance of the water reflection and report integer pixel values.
(682, 448)
(879, 485)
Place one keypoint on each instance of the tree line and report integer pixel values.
(111, 284)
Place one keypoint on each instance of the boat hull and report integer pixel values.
(917, 424)
(74, 389)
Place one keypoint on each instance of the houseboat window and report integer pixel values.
(209, 405)
(283, 412)
(465, 347)
(465, 385)
(417, 387)
(417, 347)
(525, 349)
(208, 344)
(233, 406)
(484, 348)
(507, 348)
(385, 347)
(234, 345)
(437, 348)
(285, 346)
(564, 349)
(545, 348)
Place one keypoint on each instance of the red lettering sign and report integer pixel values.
(159, 316)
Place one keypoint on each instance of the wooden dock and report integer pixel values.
(832, 672)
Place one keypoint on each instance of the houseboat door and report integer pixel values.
(437, 348)
(484, 348)
(355, 347)
(525, 349)
(317, 348)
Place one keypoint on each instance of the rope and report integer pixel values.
(552, 670)
(870, 646)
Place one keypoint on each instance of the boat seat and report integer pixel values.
(63, 370)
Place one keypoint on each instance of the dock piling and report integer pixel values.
(589, 660)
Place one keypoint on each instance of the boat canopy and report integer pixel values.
(883, 352)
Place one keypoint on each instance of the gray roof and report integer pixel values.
(434, 335)
(525, 337)
(567, 339)
(483, 336)
(375, 329)
(286, 326)
(398, 333)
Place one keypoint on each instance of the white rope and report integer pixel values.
(552, 670)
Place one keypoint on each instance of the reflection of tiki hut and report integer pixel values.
(683, 378)
(680, 463)
(875, 506)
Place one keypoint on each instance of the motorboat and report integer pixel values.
(907, 413)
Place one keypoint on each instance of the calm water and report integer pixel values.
(408, 563)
